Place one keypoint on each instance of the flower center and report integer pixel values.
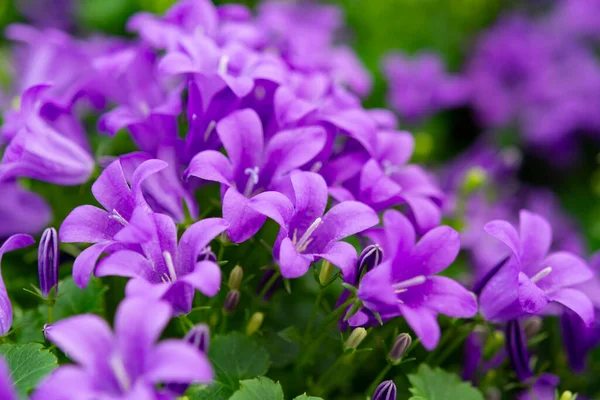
(401, 287)
(118, 368)
(171, 276)
(305, 239)
(209, 129)
(223, 62)
(389, 168)
(252, 180)
(540, 275)
(114, 215)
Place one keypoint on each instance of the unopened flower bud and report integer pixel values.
(475, 179)
(235, 278)
(266, 280)
(231, 301)
(355, 338)
(385, 391)
(532, 326)
(325, 273)
(402, 343)
(255, 323)
(369, 258)
(567, 395)
(199, 336)
(48, 261)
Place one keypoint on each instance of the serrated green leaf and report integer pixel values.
(215, 391)
(28, 364)
(73, 301)
(28, 326)
(282, 352)
(307, 397)
(261, 388)
(236, 356)
(437, 384)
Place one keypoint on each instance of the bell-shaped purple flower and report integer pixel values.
(385, 391)
(21, 211)
(532, 278)
(48, 258)
(405, 284)
(14, 242)
(165, 269)
(199, 337)
(252, 166)
(307, 233)
(126, 364)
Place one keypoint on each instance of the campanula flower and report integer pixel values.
(405, 284)
(251, 166)
(126, 364)
(48, 257)
(21, 210)
(308, 233)
(531, 278)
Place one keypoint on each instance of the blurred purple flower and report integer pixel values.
(7, 390)
(21, 210)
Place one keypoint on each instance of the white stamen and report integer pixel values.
(117, 217)
(223, 61)
(252, 180)
(306, 239)
(417, 280)
(117, 366)
(540, 275)
(398, 291)
(170, 266)
(145, 108)
(209, 129)
(389, 168)
(316, 166)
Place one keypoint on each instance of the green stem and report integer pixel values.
(313, 315)
(378, 379)
(224, 322)
(458, 340)
(269, 284)
(327, 380)
(51, 300)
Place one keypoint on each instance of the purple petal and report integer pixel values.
(536, 236)
(86, 262)
(22, 211)
(424, 322)
(501, 292)
(244, 222)
(531, 297)
(274, 205)
(400, 235)
(436, 250)
(358, 125)
(310, 193)
(289, 108)
(88, 224)
(242, 136)
(211, 166)
(206, 277)
(291, 263)
(577, 302)
(146, 169)
(112, 191)
(342, 255)
(195, 239)
(567, 270)
(506, 233)
(395, 147)
(7, 391)
(376, 291)
(375, 185)
(448, 297)
(125, 263)
(426, 212)
(179, 362)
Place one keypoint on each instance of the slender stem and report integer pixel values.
(378, 379)
(224, 322)
(51, 300)
(269, 284)
(313, 315)
(327, 379)
(459, 339)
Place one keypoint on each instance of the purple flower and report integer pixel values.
(48, 257)
(385, 391)
(14, 242)
(165, 269)
(532, 278)
(199, 337)
(90, 224)
(252, 166)
(308, 233)
(21, 211)
(516, 347)
(404, 284)
(125, 365)
(542, 388)
(7, 390)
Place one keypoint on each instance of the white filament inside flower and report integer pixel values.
(252, 180)
(401, 287)
(118, 217)
(540, 275)
(305, 239)
(170, 266)
(389, 168)
(223, 61)
(117, 366)
(209, 129)
(316, 166)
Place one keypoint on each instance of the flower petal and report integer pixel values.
(243, 221)
(242, 136)
(291, 263)
(436, 250)
(211, 165)
(567, 270)
(342, 255)
(273, 205)
(400, 235)
(310, 198)
(506, 233)
(86, 261)
(501, 291)
(424, 322)
(206, 277)
(88, 224)
(112, 191)
(448, 297)
(425, 212)
(531, 297)
(126, 263)
(577, 302)
(195, 239)
(176, 361)
(536, 236)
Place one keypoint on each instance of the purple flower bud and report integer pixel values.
(516, 347)
(231, 301)
(48, 261)
(266, 278)
(402, 343)
(199, 336)
(370, 257)
(385, 391)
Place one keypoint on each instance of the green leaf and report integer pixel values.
(28, 326)
(73, 301)
(282, 351)
(215, 391)
(436, 384)
(236, 356)
(307, 397)
(261, 388)
(28, 364)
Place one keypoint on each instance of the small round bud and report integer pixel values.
(532, 326)
(235, 278)
(355, 338)
(199, 336)
(255, 323)
(567, 395)
(326, 272)
(402, 343)
(385, 391)
(231, 301)
(369, 258)
(474, 179)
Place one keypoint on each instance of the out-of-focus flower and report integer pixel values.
(7, 390)
(542, 388)
(21, 211)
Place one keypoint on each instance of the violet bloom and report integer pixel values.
(14, 242)
(7, 390)
(543, 388)
(385, 391)
(306, 235)
(532, 278)
(404, 284)
(30, 137)
(165, 269)
(420, 86)
(21, 211)
(252, 166)
(90, 224)
(48, 258)
(126, 364)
